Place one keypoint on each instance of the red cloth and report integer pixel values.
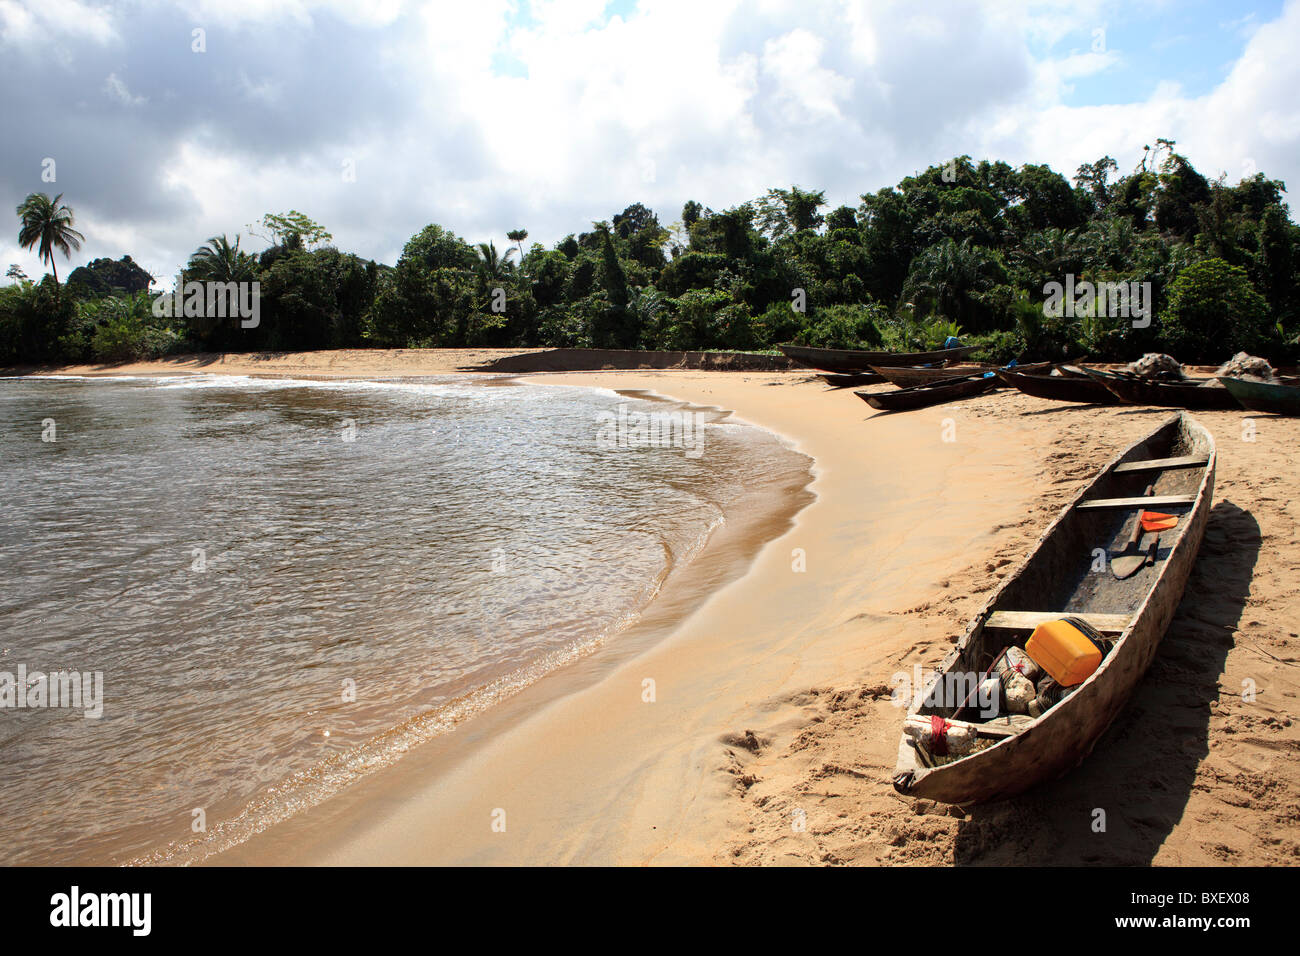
(939, 735)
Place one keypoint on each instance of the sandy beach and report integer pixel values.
(756, 690)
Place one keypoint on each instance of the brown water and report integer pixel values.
(287, 584)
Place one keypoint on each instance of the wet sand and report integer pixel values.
(770, 692)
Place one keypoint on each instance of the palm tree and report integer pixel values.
(645, 304)
(949, 274)
(50, 224)
(1050, 253)
(219, 261)
(518, 236)
(491, 266)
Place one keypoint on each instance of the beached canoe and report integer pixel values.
(1065, 387)
(936, 393)
(851, 360)
(851, 379)
(1058, 579)
(1276, 397)
(1189, 393)
(906, 377)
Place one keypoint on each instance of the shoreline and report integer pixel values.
(772, 693)
(659, 781)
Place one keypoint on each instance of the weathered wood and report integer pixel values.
(1188, 393)
(923, 396)
(909, 377)
(1164, 501)
(1058, 574)
(1065, 387)
(1028, 620)
(1160, 464)
(994, 729)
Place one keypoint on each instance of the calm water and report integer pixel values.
(286, 584)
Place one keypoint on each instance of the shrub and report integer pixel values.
(844, 327)
(120, 339)
(1213, 312)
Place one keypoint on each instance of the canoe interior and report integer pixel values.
(1064, 576)
(1061, 577)
(908, 376)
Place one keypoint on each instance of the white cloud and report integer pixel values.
(20, 22)
(117, 89)
(805, 89)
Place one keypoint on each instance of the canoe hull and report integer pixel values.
(1271, 397)
(1059, 740)
(908, 377)
(852, 360)
(1060, 388)
(1136, 391)
(923, 396)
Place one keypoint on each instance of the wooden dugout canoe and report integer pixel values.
(852, 360)
(936, 393)
(1058, 579)
(906, 377)
(1060, 388)
(1276, 397)
(1189, 394)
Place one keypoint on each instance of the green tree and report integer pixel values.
(101, 277)
(48, 224)
(518, 236)
(785, 211)
(429, 297)
(293, 229)
(1213, 312)
(949, 276)
(493, 268)
(218, 260)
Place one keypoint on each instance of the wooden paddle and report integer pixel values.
(1132, 559)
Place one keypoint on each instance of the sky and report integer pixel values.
(163, 124)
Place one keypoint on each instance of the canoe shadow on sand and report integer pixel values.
(1142, 771)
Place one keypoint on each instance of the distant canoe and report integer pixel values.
(1057, 580)
(1275, 397)
(906, 377)
(936, 393)
(1190, 394)
(1059, 388)
(850, 360)
(851, 379)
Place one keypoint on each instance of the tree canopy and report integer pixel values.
(963, 247)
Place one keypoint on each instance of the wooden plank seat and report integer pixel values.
(1150, 501)
(1028, 620)
(1161, 464)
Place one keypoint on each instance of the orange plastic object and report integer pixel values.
(1064, 651)
(1155, 521)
